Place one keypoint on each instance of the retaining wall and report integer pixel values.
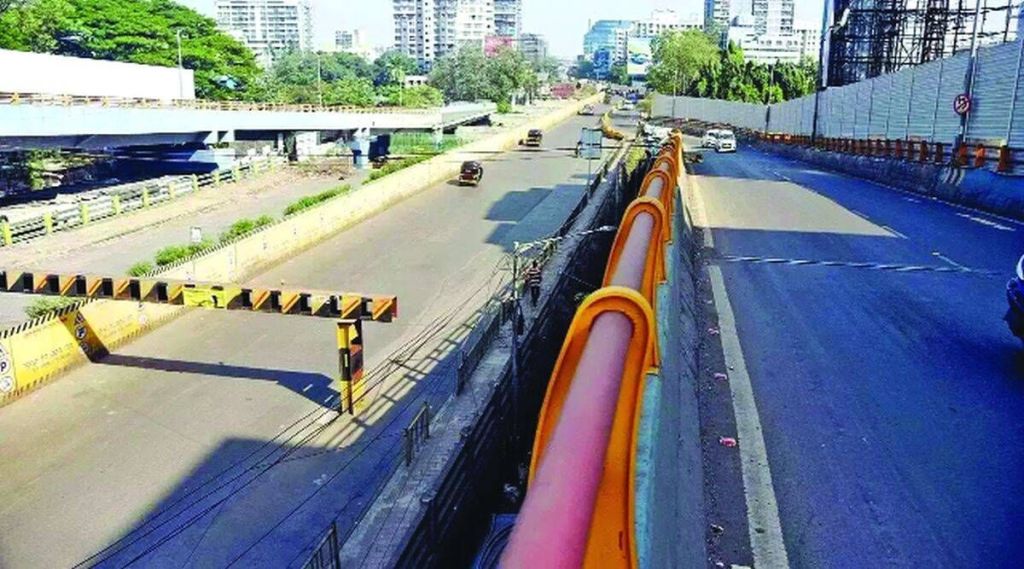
(38, 351)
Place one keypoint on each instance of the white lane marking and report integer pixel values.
(765, 529)
(307, 388)
(950, 261)
(984, 221)
(911, 200)
(763, 525)
(894, 232)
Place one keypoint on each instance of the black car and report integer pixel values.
(533, 138)
(471, 173)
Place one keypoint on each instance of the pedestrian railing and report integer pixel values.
(127, 198)
(191, 104)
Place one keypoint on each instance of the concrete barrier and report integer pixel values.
(38, 351)
(977, 188)
(669, 486)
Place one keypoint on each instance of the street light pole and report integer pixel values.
(181, 80)
(319, 81)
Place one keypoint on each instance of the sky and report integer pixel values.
(562, 22)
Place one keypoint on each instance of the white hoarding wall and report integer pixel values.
(39, 73)
(915, 103)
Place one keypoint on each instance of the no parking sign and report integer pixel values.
(962, 104)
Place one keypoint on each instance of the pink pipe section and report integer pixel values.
(554, 522)
(552, 528)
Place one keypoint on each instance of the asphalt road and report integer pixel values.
(207, 442)
(891, 398)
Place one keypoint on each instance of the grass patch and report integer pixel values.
(419, 143)
(174, 253)
(47, 304)
(245, 226)
(310, 201)
(392, 167)
(139, 269)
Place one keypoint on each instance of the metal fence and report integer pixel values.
(191, 104)
(915, 103)
(123, 199)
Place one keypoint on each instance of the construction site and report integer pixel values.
(868, 38)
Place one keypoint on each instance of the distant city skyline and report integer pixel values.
(562, 23)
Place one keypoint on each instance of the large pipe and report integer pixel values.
(554, 522)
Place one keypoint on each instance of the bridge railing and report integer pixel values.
(7, 98)
(124, 199)
(579, 508)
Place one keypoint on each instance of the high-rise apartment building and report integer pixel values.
(772, 17)
(353, 41)
(662, 21)
(428, 29)
(716, 15)
(268, 27)
(533, 47)
(508, 18)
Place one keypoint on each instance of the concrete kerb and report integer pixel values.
(233, 261)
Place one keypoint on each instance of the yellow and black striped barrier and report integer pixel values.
(204, 295)
(351, 310)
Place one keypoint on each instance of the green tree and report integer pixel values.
(508, 73)
(619, 74)
(418, 97)
(583, 70)
(392, 68)
(136, 31)
(679, 58)
(458, 75)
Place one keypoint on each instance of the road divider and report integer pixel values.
(54, 344)
(596, 462)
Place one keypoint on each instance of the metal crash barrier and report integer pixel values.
(579, 508)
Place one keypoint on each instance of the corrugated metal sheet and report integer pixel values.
(947, 122)
(903, 84)
(808, 114)
(923, 104)
(879, 105)
(993, 90)
(862, 107)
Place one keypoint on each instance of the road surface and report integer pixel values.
(208, 441)
(889, 391)
(113, 245)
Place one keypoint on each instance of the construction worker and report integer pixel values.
(532, 278)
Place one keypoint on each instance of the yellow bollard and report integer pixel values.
(195, 183)
(116, 202)
(216, 178)
(48, 222)
(236, 173)
(5, 228)
(145, 197)
(84, 211)
(170, 191)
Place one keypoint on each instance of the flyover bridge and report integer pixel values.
(65, 121)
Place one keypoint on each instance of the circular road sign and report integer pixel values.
(962, 104)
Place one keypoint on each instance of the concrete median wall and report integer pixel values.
(670, 480)
(38, 351)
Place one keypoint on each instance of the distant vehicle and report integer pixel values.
(1015, 298)
(587, 111)
(726, 141)
(629, 106)
(710, 139)
(471, 173)
(533, 138)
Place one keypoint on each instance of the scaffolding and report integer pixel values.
(868, 38)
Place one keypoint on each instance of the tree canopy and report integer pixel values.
(469, 75)
(689, 63)
(135, 31)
